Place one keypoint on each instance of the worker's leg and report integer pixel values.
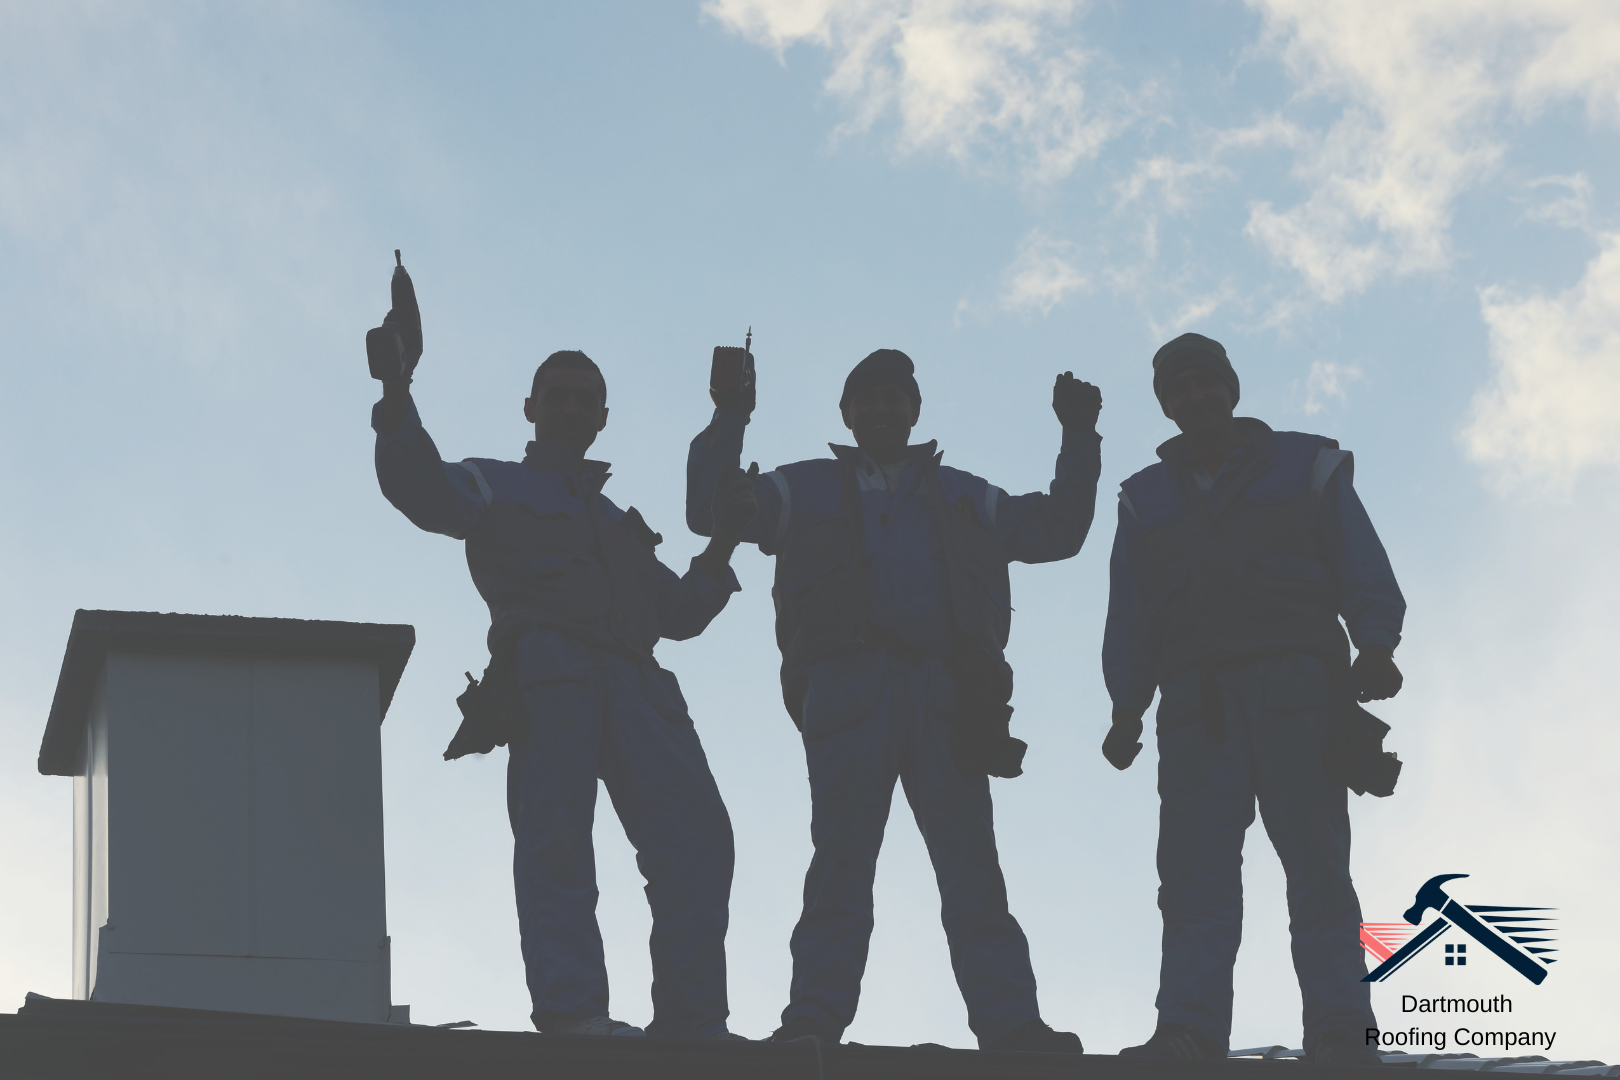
(1206, 802)
(658, 778)
(551, 800)
(853, 764)
(1306, 815)
(989, 953)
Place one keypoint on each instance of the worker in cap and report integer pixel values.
(578, 599)
(1237, 555)
(893, 609)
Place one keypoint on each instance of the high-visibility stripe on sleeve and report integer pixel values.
(1327, 460)
(1125, 501)
(775, 477)
(992, 498)
(483, 485)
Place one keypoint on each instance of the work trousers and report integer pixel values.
(872, 716)
(594, 713)
(1275, 714)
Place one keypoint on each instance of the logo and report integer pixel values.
(1508, 932)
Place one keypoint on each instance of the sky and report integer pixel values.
(1402, 219)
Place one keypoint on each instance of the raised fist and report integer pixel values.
(1076, 403)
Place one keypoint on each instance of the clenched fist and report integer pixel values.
(1122, 743)
(1076, 403)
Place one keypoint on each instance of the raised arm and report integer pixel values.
(435, 495)
(1051, 525)
(687, 604)
(716, 455)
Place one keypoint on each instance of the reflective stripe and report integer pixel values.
(1125, 500)
(787, 505)
(483, 485)
(1327, 460)
(992, 498)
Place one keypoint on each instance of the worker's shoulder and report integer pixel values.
(1302, 458)
(811, 469)
(489, 466)
(950, 476)
(1157, 473)
(1303, 443)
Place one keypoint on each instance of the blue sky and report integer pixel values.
(1400, 218)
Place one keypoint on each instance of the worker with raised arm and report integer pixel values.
(893, 609)
(577, 601)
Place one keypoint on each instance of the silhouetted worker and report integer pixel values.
(577, 600)
(1235, 557)
(892, 616)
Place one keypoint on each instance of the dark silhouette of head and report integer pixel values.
(567, 401)
(881, 403)
(1195, 383)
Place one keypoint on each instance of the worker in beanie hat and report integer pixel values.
(1192, 350)
(883, 367)
(1241, 558)
(893, 615)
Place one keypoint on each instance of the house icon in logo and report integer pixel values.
(1509, 932)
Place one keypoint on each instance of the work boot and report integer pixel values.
(800, 1027)
(1036, 1037)
(1180, 1042)
(1340, 1047)
(588, 1025)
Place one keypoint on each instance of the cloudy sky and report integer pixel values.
(1402, 219)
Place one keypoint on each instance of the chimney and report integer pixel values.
(227, 810)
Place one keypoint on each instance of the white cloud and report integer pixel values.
(1549, 410)
(1569, 209)
(975, 79)
(1171, 180)
(1425, 88)
(1328, 381)
(1041, 274)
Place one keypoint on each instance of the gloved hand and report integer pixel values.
(393, 348)
(731, 378)
(1076, 403)
(734, 505)
(1120, 746)
(1374, 675)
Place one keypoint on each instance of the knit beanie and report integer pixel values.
(1192, 350)
(889, 366)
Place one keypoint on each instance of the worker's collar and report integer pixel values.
(1177, 452)
(545, 456)
(854, 455)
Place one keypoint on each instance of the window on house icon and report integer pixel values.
(1456, 954)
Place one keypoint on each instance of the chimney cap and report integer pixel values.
(96, 633)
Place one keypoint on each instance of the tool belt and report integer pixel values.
(491, 707)
(1355, 754)
(984, 686)
(981, 740)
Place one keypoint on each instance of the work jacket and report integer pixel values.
(545, 547)
(1261, 560)
(863, 559)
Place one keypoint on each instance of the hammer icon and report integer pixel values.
(1455, 914)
